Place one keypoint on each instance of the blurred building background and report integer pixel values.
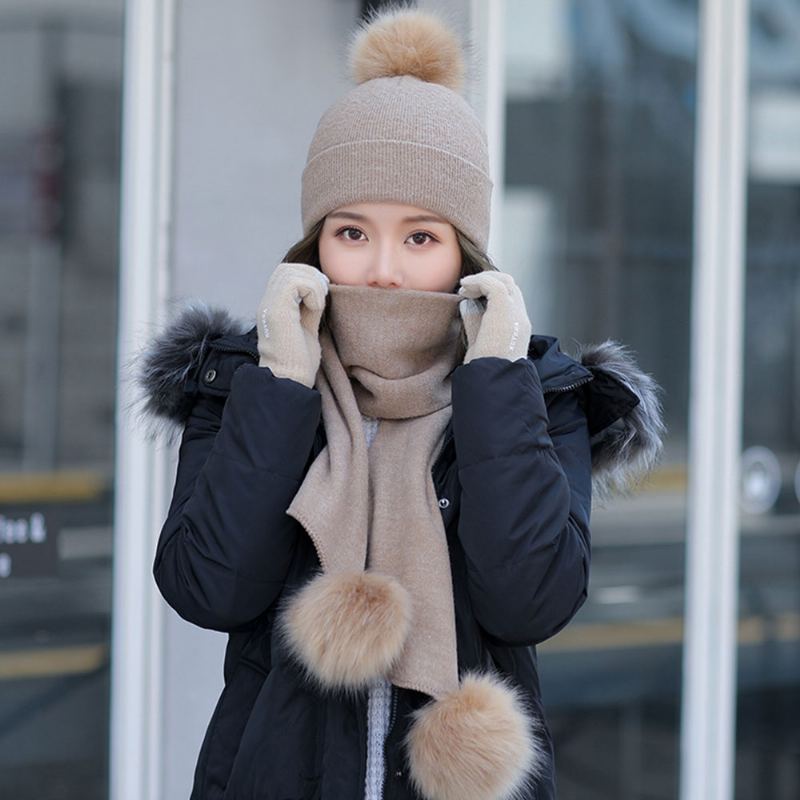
(151, 152)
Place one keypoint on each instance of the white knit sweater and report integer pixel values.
(379, 702)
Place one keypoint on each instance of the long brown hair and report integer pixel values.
(473, 258)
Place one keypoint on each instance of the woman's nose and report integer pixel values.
(384, 271)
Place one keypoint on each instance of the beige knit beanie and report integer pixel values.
(404, 133)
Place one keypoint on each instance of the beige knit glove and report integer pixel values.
(288, 322)
(498, 326)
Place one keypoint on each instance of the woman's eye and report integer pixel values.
(422, 233)
(345, 230)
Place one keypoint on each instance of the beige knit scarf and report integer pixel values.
(382, 604)
(388, 353)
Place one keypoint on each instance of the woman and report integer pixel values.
(384, 485)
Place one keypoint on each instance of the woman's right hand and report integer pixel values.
(288, 321)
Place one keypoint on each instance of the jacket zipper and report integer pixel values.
(386, 740)
(583, 380)
(229, 348)
(394, 709)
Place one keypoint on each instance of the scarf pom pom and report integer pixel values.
(477, 743)
(347, 629)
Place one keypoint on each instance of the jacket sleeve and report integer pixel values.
(525, 471)
(225, 548)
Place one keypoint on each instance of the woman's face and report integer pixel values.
(383, 245)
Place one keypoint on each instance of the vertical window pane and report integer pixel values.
(597, 225)
(768, 742)
(60, 85)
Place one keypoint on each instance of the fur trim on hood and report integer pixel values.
(621, 401)
(158, 373)
(627, 449)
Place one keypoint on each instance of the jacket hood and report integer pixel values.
(621, 401)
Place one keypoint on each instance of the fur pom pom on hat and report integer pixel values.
(404, 134)
(407, 42)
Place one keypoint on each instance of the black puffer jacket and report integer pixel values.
(527, 444)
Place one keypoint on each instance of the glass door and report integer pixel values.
(597, 228)
(768, 698)
(59, 203)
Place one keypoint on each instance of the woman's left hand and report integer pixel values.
(503, 328)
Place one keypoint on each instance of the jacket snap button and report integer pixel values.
(210, 376)
(443, 502)
(398, 773)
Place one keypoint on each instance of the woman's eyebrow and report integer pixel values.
(362, 218)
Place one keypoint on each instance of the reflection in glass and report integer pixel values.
(597, 227)
(768, 700)
(59, 190)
